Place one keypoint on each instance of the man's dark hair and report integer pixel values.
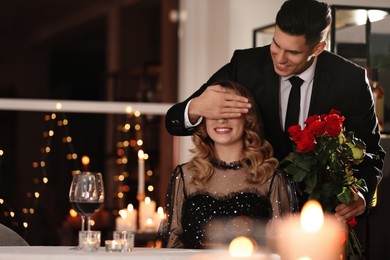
(310, 18)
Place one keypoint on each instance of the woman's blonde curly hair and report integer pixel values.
(258, 153)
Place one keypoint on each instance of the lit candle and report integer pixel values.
(114, 245)
(89, 240)
(141, 173)
(131, 217)
(121, 220)
(147, 210)
(85, 162)
(127, 220)
(148, 207)
(313, 235)
(159, 216)
(241, 247)
(149, 225)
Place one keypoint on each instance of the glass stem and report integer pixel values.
(82, 222)
(89, 223)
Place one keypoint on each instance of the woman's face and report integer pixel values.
(226, 132)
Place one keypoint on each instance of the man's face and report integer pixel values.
(290, 54)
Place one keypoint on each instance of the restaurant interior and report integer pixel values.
(99, 54)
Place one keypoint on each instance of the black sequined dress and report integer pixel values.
(228, 207)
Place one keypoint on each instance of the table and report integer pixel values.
(138, 253)
(69, 253)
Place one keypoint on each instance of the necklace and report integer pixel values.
(222, 165)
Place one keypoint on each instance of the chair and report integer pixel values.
(8, 237)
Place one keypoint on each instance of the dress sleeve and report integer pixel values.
(282, 195)
(170, 230)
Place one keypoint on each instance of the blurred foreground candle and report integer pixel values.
(312, 236)
(241, 247)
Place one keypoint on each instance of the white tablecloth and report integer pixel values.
(66, 253)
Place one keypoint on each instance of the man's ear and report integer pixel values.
(320, 47)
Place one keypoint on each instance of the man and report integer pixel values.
(329, 82)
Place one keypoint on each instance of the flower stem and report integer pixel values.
(353, 245)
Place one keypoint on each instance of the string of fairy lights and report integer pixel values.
(53, 122)
(130, 142)
(130, 139)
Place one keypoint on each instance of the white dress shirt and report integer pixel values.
(306, 89)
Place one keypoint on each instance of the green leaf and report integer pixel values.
(297, 173)
(303, 161)
(345, 196)
(310, 182)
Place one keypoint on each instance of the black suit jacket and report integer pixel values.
(338, 84)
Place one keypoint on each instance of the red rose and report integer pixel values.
(317, 128)
(294, 131)
(306, 142)
(352, 222)
(335, 118)
(334, 124)
(334, 111)
(312, 119)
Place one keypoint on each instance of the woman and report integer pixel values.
(230, 187)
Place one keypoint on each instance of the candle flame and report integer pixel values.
(123, 213)
(149, 221)
(130, 207)
(241, 247)
(72, 213)
(147, 200)
(140, 154)
(160, 212)
(312, 216)
(85, 160)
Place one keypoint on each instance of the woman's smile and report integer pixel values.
(222, 130)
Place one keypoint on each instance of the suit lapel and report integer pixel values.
(320, 86)
(273, 82)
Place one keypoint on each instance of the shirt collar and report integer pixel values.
(307, 75)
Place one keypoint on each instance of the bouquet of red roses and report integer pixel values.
(322, 164)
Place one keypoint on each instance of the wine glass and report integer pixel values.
(86, 195)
